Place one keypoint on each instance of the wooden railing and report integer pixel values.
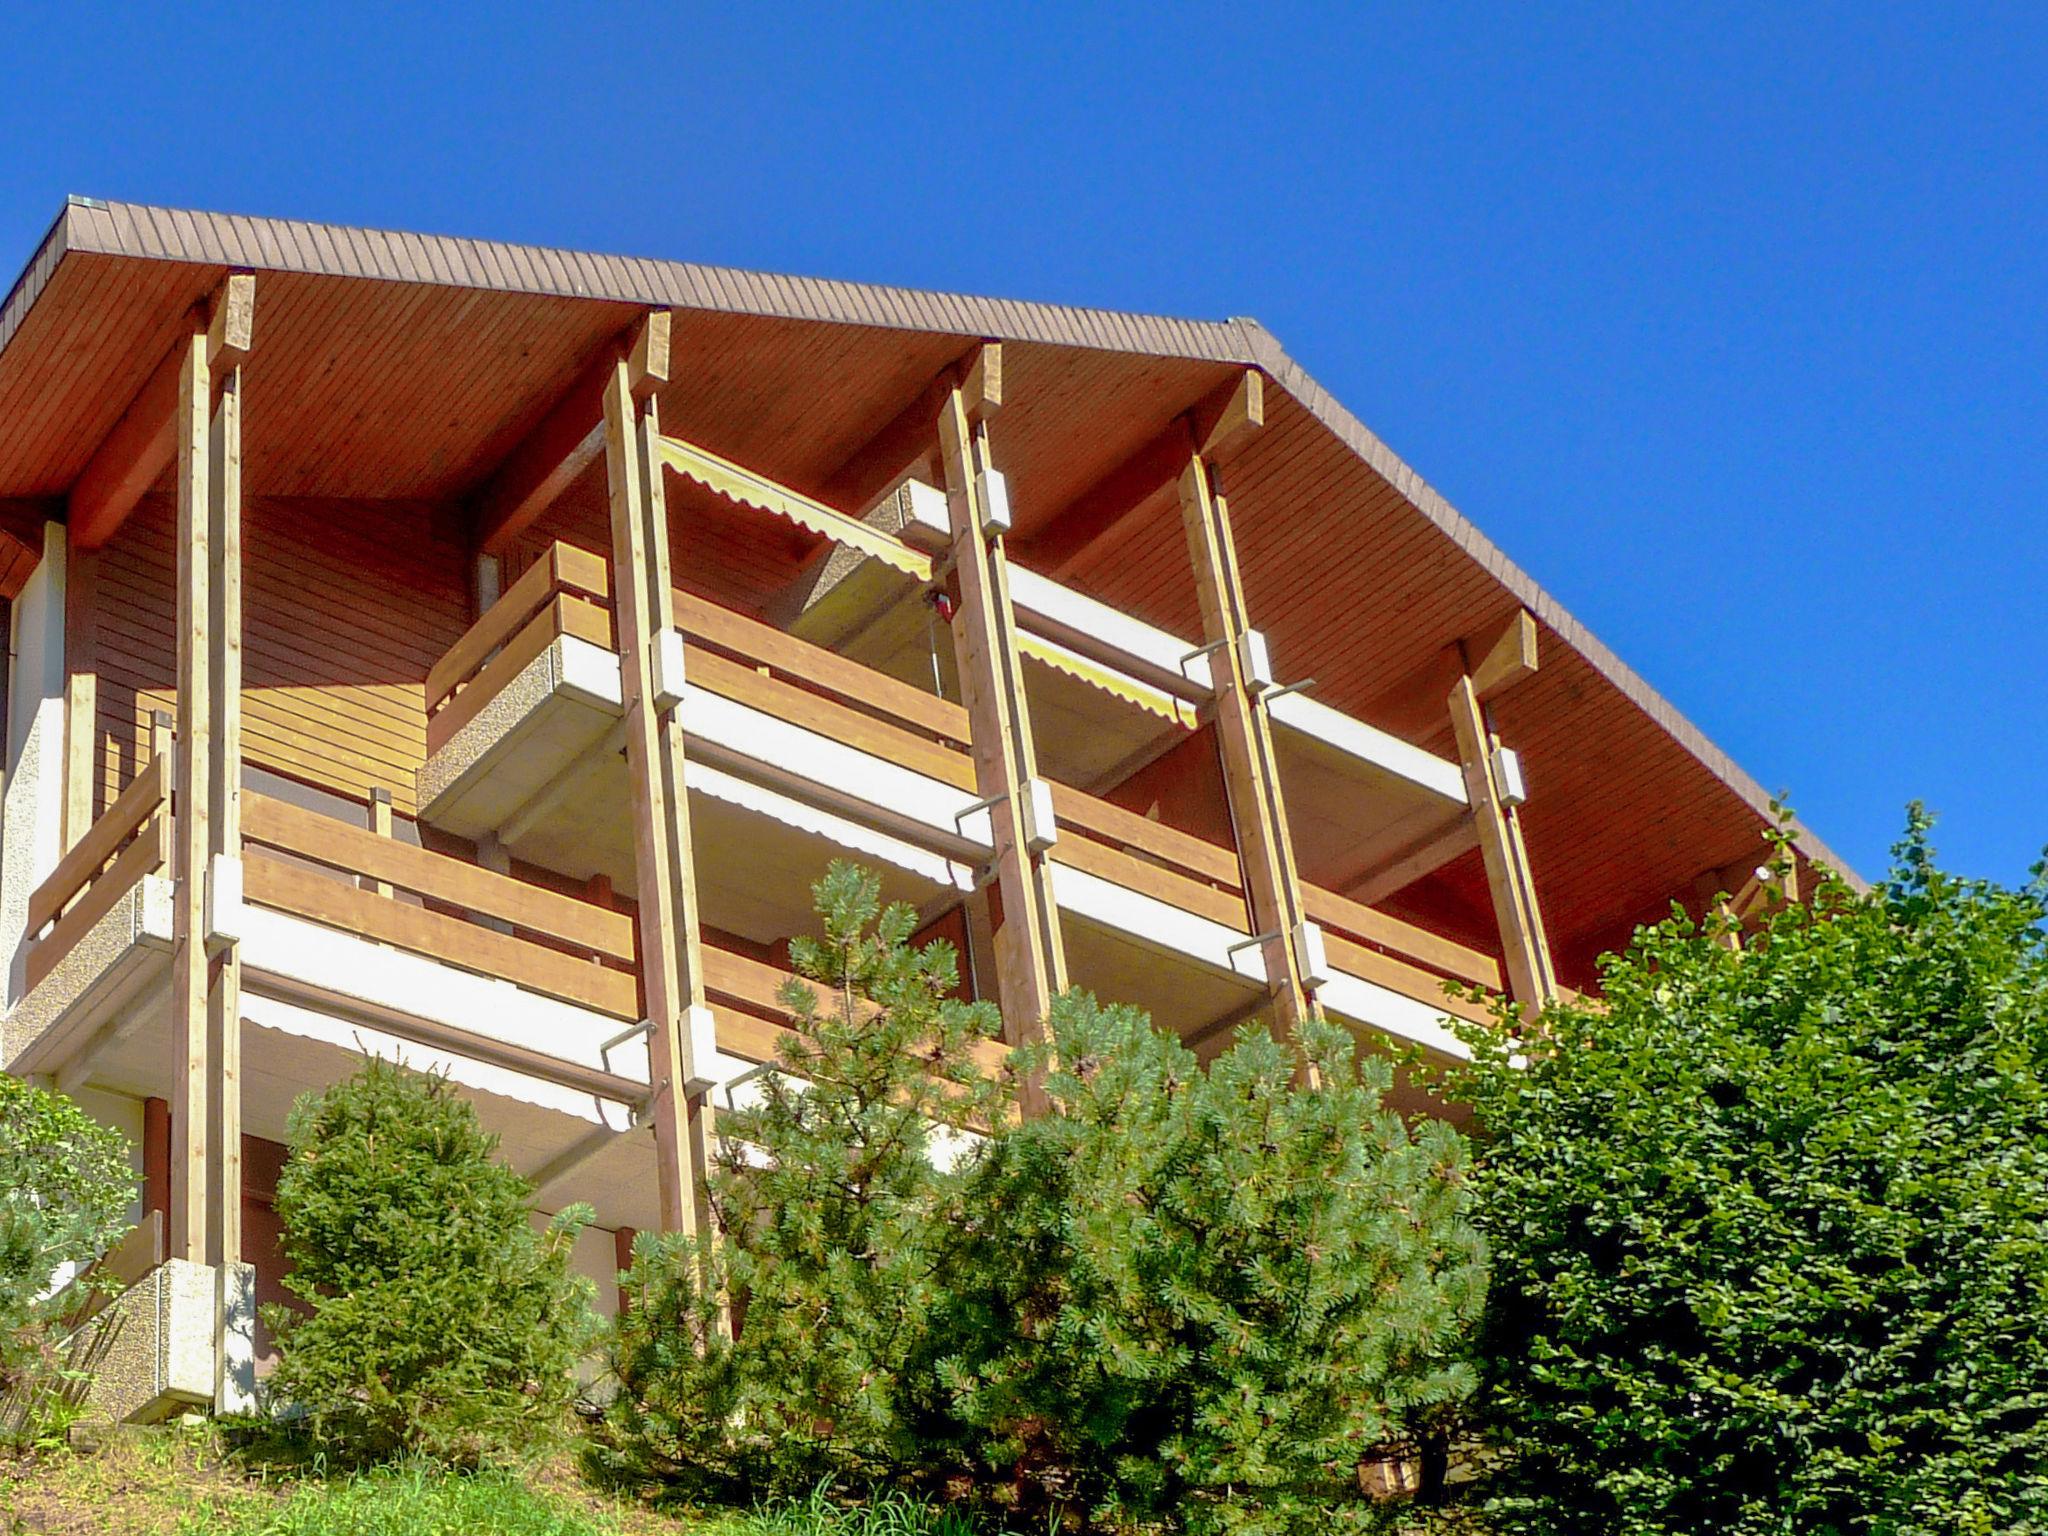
(131, 840)
(755, 664)
(562, 594)
(558, 945)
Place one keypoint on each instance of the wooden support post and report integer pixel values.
(223, 958)
(664, 868)
(1031, 964)
(1244, 736)
(191, 1072)
(380, 823)
(1525, 948)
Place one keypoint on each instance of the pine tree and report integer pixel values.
(830, 1195)
(442, 1324)
(1200, 1301)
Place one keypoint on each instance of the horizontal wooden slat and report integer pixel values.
(1197, 856)
(357, 850)
(1399, 976)
(564, 568)
(302, 892)
(799, 706)
(516, 657)
(717, 625)
(1445, 955)
(150, 852)
(145, 792)
(1148, 879)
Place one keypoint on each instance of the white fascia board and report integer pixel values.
(1369, 744)
(1065, 610)
(850, 835)
(1156, 923)
(845, 771)
(394, 981)
(1405, 1018)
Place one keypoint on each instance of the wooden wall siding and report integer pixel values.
(345, 608)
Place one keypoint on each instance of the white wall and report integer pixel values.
(32, 801)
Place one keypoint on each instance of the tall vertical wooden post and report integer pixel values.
(205, 1194)
(664, 866)
(1244, 735)
(224, 861)
(191, 1077)
(1031, 963)
(1524, 945)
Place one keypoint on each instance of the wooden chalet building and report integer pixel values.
(471, 653)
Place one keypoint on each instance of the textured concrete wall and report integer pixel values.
(152, 1350)
(31, 804)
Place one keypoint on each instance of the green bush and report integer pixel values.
(442, 1323)
(828, 1208)
(1770, 1230)
(1201, 1300)
(65, 1193)
(1192, 1301)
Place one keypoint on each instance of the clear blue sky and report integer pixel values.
(1730, 326)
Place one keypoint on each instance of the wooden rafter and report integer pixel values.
(142, 444)
(1094, 520)
(908, 443)
(569, 439)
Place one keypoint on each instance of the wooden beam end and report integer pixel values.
(231, 331)
(647, 361)
(1509, 660)
(982, 385)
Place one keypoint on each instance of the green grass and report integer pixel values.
(409, 1503)
(183, 1481)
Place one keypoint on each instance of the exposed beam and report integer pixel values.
(1401, 869)
(1244, 738)
(1098, 517)
(1031, 967)
(908, 443)
(141, 445)
(1524, 946)
(1510, 658)
(664, 867)
(570, 437)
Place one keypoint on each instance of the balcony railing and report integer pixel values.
(778, 675)
(132, 840)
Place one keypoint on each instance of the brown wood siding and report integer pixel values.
(345, 607)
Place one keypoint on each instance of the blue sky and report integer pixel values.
(1730, 323)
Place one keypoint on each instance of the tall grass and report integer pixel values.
(892, 1514)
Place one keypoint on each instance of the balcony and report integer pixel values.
(357, 941)
(797, 753)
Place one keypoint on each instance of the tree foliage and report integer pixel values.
(65, 1193)
(1203, 1300)
(1770, 1229)
(442, 1323)
(1180, 1300)
(827, 1197)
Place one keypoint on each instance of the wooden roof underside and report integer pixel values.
(403, 367)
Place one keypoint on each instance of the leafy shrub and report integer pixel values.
(1770, 1231)
(827, 1198)
(442, 1324)
(1200, 1301)
(65, 1193)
